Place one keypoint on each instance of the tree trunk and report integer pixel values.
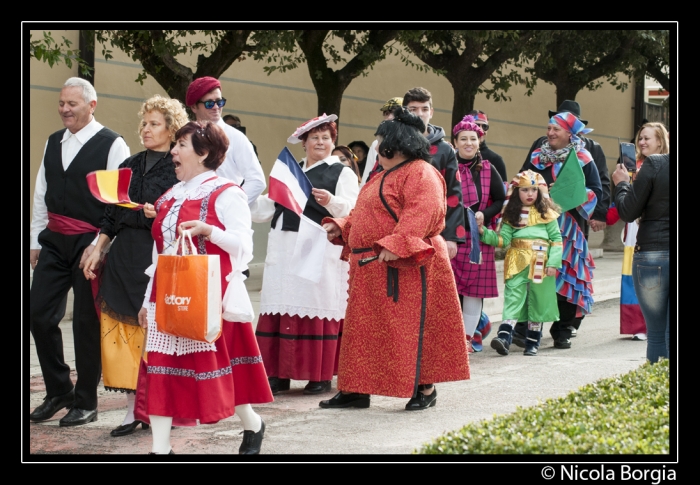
(566, 91)
(330, 96)
(464, 98)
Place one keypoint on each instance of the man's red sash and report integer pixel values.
(70, 227)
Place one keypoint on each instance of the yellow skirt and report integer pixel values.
(122, 346)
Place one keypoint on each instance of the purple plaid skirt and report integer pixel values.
(476, 280)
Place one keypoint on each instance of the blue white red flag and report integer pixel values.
(289, 185)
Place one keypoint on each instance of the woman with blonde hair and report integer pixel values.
(123, 281)
(646, 203)
(651, 139)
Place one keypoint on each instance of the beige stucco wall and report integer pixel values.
(271, 107)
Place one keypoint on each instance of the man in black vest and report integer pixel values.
(65, 220)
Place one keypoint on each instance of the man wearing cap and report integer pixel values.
(372, 162)
(241, 165)
(65, 220)
(494, 158)
(419, 101)
(598, 219)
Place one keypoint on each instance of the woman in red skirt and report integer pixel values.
(301, 319)
(191, 381)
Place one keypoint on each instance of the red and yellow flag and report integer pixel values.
(112, 187)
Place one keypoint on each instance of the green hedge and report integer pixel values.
(627, 414)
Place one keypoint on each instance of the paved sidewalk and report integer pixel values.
(297, 426)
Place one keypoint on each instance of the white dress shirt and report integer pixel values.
(241, 163)
(70, 146)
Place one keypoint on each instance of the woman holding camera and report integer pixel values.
(644, 206)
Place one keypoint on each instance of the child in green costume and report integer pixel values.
(530, 227)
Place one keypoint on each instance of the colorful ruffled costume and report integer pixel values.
(576, 274)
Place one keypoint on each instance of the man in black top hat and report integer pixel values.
(598, 218)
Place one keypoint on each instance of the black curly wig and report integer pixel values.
(403, 134)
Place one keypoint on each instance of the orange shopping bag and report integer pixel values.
(188, 293)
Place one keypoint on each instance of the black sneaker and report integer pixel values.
(562, 343)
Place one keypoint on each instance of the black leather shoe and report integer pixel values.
(422, 401)
(51, 406)
(501, 346)
(252, 441)
(317, 387)
(350, 400)
(126, 429)
(76, 417)
(154, 453)
(278, 385)
(562, 343)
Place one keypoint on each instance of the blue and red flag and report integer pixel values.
(289, 185)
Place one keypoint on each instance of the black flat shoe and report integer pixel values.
(154, 453)
(252, 441)
(76, 417)
(351, 400)
(51, 406)
(422, 401)
(126, 429)
(278, 385)
(317, 387)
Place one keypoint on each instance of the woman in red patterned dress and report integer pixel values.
(188, 380)
(403, 326)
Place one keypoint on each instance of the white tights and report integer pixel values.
(471, 313)
(161, 426)
(250, 419)
(130, 401)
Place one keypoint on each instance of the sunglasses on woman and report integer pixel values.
(210, 104)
